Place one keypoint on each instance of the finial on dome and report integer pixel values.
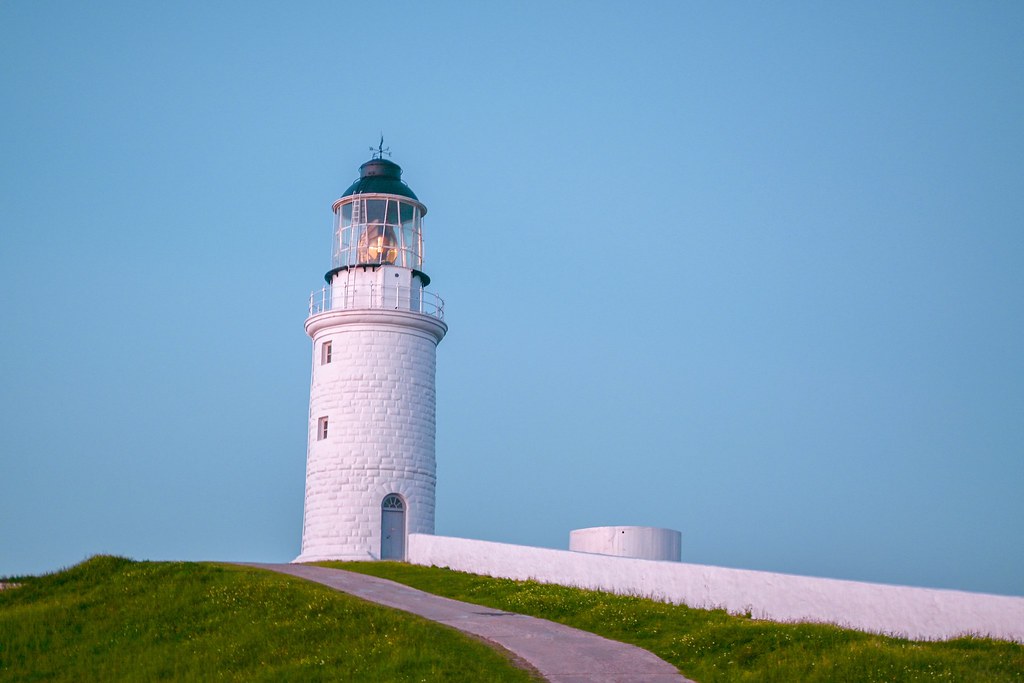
(381, 150)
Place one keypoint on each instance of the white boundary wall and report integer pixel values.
(916, 613)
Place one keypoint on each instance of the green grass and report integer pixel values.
(711, 645)
(111, 619)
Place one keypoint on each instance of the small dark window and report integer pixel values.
(325, 353)
(321, 429)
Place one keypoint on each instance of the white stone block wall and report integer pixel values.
(917, 613)
(377, 394)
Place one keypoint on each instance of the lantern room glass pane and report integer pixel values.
(375, 210)
(346, 245)
(336, 249)
(409, 247)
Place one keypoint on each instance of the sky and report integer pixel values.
(751, 271)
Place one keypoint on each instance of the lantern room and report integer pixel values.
(378, 222)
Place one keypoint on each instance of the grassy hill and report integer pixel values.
(711, 645)
(112, 619)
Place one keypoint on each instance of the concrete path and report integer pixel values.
(561, 654)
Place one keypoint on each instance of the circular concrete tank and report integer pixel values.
(641, 542)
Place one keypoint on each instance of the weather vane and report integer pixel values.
(381, 150)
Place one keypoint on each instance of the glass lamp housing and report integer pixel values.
(378, 229)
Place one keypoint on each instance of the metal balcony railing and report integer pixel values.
(389, 297)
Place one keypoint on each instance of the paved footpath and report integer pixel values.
(561, 654)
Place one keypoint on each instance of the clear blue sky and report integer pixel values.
(753, 271)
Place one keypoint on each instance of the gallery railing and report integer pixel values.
(389, 297)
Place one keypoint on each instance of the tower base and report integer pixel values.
(334, 557)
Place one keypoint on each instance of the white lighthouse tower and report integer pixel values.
(370, 468)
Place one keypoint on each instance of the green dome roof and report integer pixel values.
(380, 176)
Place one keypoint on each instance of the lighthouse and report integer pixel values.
(370, 463)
